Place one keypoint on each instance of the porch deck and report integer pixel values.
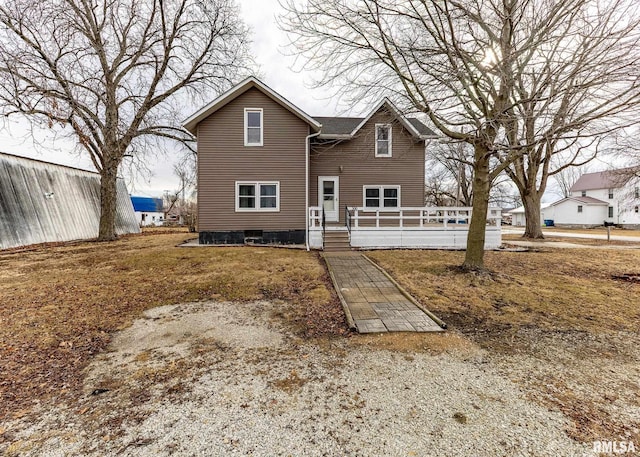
(426, 228)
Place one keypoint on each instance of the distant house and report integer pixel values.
(269, 172)
(149, 211)
(41, 202)
(518, 218)
(612, 196)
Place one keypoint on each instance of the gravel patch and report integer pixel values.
(219, 379)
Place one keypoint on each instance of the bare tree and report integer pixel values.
(449, 178)
(115, 73)
(457, 61)
(179, 201)
(566, 178)
(573, 92)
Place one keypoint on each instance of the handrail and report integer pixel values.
(347, 218)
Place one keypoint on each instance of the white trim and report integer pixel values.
(191, 123)
(380, 187)
(389, 141)
(396, 113)
(336, 181)
(257, 185)
(307, 150)
(246, 126)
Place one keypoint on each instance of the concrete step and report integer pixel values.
(335, 241)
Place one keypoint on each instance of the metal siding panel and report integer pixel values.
(28, 217)
(361, 167)
(223, 159)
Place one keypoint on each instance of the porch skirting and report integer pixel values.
(410, 238)
(252, 236)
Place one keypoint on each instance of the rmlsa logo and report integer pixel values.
(614, 447)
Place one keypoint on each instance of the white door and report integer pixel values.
(328, 192)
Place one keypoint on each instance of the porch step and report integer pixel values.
(336, 240)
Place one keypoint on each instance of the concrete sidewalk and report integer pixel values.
(372, 301)
(577, 234)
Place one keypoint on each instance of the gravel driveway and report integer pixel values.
(220, 379)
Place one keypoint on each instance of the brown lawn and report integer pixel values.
(555, 289)
(59, 304)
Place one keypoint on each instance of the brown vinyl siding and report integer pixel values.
(223, 159)
(360, 167)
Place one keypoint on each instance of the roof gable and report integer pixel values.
(191, 123)
(347, 127)
(582, 200)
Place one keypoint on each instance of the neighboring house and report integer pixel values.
(518, 218)
(269, 172)
(612, 196)
(149, 211)
(41, 202)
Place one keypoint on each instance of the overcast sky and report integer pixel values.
(275, 70)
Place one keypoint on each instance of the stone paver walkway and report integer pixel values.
(372, 301)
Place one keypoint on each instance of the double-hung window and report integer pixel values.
(257, 196)
(381, 197)
(383, 140)
(253, 128)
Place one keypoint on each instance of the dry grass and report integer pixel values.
(556, 289)
(59, 304)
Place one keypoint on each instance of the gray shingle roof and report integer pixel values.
(346, 125)
(338, 125)
(585, 200)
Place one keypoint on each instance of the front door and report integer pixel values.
(328, 197)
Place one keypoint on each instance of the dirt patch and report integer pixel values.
(61, 304)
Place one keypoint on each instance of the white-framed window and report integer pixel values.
(381, 197)
(383, 140)
(579, 208)
(257, 196)
(611, 211)
(253, 127)
(610, 194)
(584, 193)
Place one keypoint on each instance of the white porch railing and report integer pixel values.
(315, 217)
(441, 217)
(427, 227)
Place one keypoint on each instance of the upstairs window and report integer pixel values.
(579, 208)
(610, 194)
(257, 196)
(636, 192)
(381, 197)
(584, 193)
(253, 127)
(383, 140)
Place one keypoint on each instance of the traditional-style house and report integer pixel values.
(269, 172)
(611, 196)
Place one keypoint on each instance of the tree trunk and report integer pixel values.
(474, 258)
(533, 227)
(108, 199)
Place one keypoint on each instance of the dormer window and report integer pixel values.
(253, 127)
(383, 140)
(584, 193)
